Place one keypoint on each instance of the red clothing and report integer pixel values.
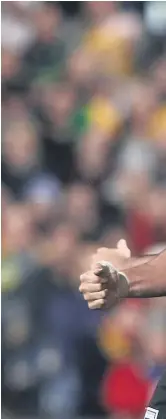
(125, 390)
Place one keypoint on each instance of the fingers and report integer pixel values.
(102, 270)
(122, 246)
(115, 256)
(92, 282)
(89, 277)
(90, 287)
(96, 304)
(95, 296)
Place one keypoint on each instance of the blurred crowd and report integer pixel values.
(83, 164)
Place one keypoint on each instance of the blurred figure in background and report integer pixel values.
(83, 138)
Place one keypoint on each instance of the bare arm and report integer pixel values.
(115, 275)
(147, 279)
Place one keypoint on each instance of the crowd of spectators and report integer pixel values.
(83, 164)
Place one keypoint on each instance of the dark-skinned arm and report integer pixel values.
(147, 279)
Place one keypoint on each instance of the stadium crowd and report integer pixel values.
(83, 164)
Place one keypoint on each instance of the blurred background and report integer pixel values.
(83, 164)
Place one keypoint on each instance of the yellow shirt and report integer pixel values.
(103, 114)
(111, 52)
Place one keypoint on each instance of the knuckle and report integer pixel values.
(96, 288)
(86, 296)
(82, 277)
(85, 277)
(100, 303)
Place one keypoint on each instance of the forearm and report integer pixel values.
(147, 278)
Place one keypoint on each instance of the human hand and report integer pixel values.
(103, 285)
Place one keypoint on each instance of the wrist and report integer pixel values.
(123, 285)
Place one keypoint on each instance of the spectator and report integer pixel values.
(83, 164)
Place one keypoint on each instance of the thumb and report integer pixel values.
(100, 270)
(122, 246)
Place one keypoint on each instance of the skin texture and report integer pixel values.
(149, 279)
(146, 277)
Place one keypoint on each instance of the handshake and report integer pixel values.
(106, 283)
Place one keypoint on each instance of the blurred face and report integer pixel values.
(18, 228)
(82, 207)
(14, 108)
(144, 102)
(59, 102)
(92, 155)
(10, 64)
(46, 21)
(81, 66)
(130, 186)
(99, 9)
(60, 251)
(64, 239)
(159, 77)
(42, 212)
(20, 146)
